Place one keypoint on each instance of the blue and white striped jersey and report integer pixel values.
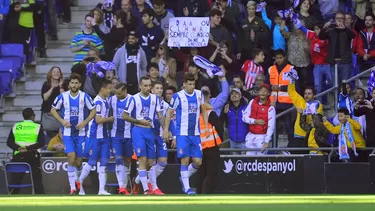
(187, 108)
(96, 130)
(144, 107)
(74, 110)
(121, 128)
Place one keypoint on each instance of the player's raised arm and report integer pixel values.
(205, 118)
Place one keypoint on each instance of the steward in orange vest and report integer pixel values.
(277, 80)
(208, 172)
(211, 140)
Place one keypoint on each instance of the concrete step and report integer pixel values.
(24, 100)
(4, 132)
(4, 148)
(79, 13)
(30, 85)
(75, 26)
(20, 108)
(51, 46)
(67, 34)
(60, 52)
(16, 116)
(86, 3)
(45, 66)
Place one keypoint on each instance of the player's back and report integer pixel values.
(99, 130)
(121, 128)
(187, 112)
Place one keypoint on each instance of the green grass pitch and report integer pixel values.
(198, 202)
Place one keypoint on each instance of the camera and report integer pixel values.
(361, 103)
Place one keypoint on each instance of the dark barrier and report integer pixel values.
(261, 175)
(347, 178)
(372, 173)
(242, 175)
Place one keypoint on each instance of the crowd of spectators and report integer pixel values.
(255, 42)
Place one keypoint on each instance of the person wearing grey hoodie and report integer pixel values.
(131, 63)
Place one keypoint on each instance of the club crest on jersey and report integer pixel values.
(181, 151)
(153, 103)
(90, 152)
(114, 151)
(139, 151)
(98, 108)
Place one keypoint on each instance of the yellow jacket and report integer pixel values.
(356, 130)
(299, 102)
(55, 140)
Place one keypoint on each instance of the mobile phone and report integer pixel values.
(90, 59)
(361, 103)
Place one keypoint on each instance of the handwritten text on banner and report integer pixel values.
(188, 32)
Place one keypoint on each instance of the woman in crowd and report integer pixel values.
(167, 65)
(51, 88)
(299, 57)
(304, 15)
(99, 19)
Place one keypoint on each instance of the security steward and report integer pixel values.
(279, 95)
(25, 139)
(206, 176)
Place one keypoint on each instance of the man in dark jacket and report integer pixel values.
(339, 45)
(232, 116)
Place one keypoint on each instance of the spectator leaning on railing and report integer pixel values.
(366, 107)
(350, 137)
(261, 117)
(310, 106)
(56, 144)
(232, 117)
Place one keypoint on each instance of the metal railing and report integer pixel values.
(336, 88)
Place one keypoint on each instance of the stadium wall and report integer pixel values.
(309, 174)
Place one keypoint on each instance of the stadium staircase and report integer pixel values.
(28, 89)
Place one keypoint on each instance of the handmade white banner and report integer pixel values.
(188, 32)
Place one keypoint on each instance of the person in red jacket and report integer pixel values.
(261, 117)
(366, 43)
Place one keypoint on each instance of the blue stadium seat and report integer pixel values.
(18, 167)
(14, 52)
(6, 76)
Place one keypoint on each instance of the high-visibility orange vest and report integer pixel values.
(134, 157)
(208, 142)
(276, 79)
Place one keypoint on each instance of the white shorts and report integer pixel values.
(254, 141)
